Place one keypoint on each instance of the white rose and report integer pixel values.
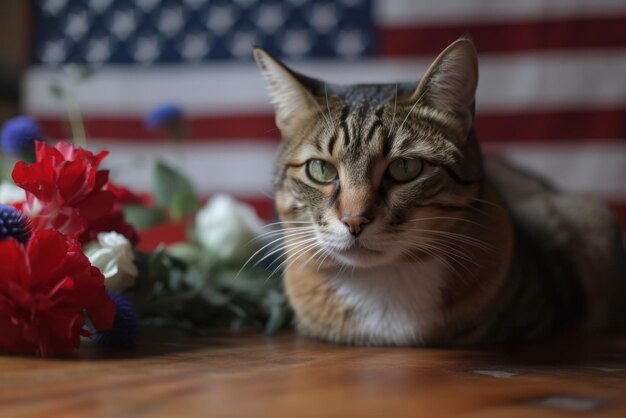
(226, 228)
(113, 255)
(10, 193)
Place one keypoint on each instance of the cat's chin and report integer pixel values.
(361, 257)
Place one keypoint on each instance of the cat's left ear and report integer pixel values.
(292, 96)
(450, 82)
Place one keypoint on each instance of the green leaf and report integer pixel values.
(173, 190)
(142, 217)
(56, 90)
(183, 204)
(215, 298)
(185, 251)
(77, 73)
(84, 74)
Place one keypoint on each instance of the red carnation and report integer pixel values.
(66, 192)
(44, 289)
(113, 221)
(126, 196)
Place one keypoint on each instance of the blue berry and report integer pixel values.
(164, 116)
(19, 134)
(125, 325)
(14, 224)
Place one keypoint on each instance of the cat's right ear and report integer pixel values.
(290, 96)
(450, 82)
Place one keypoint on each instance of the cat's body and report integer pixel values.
(398, 233)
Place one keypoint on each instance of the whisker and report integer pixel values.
(439, 246)
(451, 218)
(300, 246)
(287, 223)
(266, 194)
(442, 248)
(395, 102)
(320, 250)
(289, 245)
(480, 211)
(457, 246)
(271, 130)
(443, 260)
(495, 205)
(284, 236)
(328, 253)
(330, 116)
(308, 93)
(411, 255)
(411, 111)
(282, 231)
(459, 237)
(291, 258)
(256, 253)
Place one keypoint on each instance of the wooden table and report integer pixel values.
(250, 375)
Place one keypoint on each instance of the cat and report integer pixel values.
(397, 231)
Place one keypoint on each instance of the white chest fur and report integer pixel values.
(393, 304)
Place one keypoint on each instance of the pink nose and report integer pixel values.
(355, 223)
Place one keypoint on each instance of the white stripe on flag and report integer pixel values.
(539, 80)
(242, 168)
(402, 12)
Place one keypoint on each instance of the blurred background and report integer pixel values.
(552, 93)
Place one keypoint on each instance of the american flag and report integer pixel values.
(552, 92)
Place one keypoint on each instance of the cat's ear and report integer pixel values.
(450, 82)
(290, 94)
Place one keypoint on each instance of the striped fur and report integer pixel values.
(467, 252)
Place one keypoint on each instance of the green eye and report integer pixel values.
(404, 169)
(320, 171)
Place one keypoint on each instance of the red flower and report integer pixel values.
(66, 191)
(44, 289)
(125, 196)
(112, 221)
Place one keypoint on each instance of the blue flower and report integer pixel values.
(19, 134)
(164, 116)
(14, 224)
(125, 326)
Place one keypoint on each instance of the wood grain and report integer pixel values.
(251, 375)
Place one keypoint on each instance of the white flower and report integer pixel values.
(226, 227)
(113, 255)
(10, 193)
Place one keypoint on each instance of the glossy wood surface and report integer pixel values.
(251, 375)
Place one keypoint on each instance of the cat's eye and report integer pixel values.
(405, 169)
(321, 171)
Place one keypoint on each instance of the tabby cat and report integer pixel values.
(398, 232)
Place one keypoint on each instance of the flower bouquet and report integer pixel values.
(70, 266)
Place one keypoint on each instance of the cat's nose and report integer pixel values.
(355, 223)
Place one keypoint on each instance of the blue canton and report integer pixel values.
(147, 32)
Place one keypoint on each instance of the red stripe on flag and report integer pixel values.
(522, 125)
(133, 128)
(264, 207)
(552, 125)
(606, 32)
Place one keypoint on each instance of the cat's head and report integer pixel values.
(366, 173)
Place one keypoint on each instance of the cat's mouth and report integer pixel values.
(358, 246)
(358, 254)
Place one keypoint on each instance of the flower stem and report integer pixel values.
(76, 120)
